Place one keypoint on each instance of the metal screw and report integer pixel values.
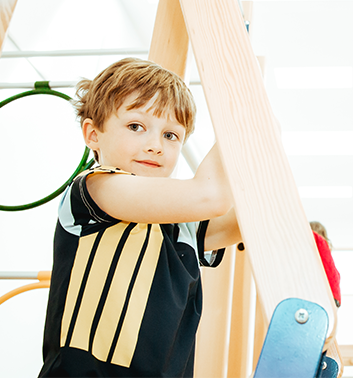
(301, 316)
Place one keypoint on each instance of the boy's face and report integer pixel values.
(136, 141)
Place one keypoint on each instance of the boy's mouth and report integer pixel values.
(149, 163)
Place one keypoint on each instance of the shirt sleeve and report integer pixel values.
(215, 256)
(84, 209)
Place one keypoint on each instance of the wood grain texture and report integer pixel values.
(212, 342)
(346, 353)
(276, 233)
(7, 8)
(240, 331)
(170, 41)
(260, 332)
(334, 353)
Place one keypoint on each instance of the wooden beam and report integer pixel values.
(170, 41)
(7, 8)
(240, 332)
(334, 352)
(259, 334)
(346, 352)
(211, 356)
(276, 233)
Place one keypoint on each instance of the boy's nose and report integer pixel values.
(154, 146)
(155, 150)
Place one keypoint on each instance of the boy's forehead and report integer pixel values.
(152, 106)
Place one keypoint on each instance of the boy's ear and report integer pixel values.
(90, 134)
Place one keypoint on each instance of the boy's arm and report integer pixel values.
(164, 200)
(222, 232)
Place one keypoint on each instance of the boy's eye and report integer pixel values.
(170, 136)
(135, 127)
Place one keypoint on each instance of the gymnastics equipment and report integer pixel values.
(42, 87)
(43, 278)
(84, 52)
(280, 247)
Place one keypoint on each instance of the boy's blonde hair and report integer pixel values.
(102, 96)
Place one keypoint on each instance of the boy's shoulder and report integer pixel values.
(101, 169)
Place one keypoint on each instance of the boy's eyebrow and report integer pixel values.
(150, 110)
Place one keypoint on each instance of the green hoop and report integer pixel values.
(42, 87)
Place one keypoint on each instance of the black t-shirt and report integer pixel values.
(125, 298)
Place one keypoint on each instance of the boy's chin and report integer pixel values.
(152, 173)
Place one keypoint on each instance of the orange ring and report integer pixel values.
(44, 283)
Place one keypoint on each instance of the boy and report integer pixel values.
(125, 296)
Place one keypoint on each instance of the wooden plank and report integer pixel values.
(334, 353)
(7, 8)
(346, 352)
(211, 356)
(240, 332)
(282, 250)
(170, 41)
(259, 334)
